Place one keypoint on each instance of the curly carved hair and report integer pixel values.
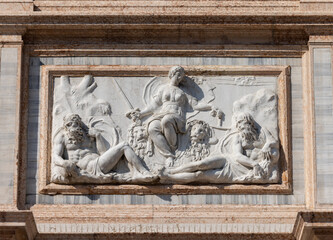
(199, 147)
(175, 69)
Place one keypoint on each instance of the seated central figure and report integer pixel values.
(168, 109)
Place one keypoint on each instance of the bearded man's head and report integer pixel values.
(73, 126)
(245, 126)
(138, 139)
(200, 134)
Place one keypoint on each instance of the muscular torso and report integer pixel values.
(172, 99)
(252, 149)
(81, 152)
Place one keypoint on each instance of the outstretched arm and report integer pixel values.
(202, 106)
(136, 114)
(199, 106)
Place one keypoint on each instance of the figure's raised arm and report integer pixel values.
(271, 146)
(199, 105)
(152, 105)
(58, 151)
(96, 136)
(203, 106)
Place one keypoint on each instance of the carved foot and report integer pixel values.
(258, 172)
(172, 170)
(122, 177)
(169, 162)
(163, 175)
(145, 177)
(60, 179)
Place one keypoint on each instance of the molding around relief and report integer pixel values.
(284, 122)
(176, 50)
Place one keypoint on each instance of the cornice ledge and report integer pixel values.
(137, 18)
(312, 224)
(18, 223)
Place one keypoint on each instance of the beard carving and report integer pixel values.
(74, 128)
(245, 125)
(138, 139)
(248, 133)
(140, 149)
(199, 135)
(75, 135)
(197, 151)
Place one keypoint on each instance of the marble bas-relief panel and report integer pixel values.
(174, 127)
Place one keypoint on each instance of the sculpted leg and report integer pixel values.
(205, 164)
(111, 157)
(139, 172)
(155, 133)
(182, 177)
(169, 130)
(134, 160)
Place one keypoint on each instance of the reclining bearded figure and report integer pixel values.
(79, 151)
(246, 155)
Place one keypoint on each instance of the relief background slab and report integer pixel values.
(35, 78)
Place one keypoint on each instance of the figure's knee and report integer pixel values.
(122, 145)
(198, 174)
(202, 165)
(154, 127)
(167, 121)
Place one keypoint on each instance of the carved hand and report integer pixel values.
(69, 165)
(93, 132)
(216, 112)
(134, 114)
(258, 171)
(266, 153)
(105, 108)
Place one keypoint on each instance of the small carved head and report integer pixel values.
(72, 121)
(138, 139)
(74, 128)
(199, 131)
(176, 74)
(245, 124)
(139, 133)
(200, 134)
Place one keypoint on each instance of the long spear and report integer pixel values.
(123, 94)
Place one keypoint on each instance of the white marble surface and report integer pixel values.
(8, 84)
(298, 172)
(322, 77)
(91, 112)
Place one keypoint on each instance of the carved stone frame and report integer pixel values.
(284, 122)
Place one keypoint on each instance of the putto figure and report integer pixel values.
(79, 151)
(168, 107)
(246, 156)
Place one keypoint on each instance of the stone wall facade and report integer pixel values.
(283, 46)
